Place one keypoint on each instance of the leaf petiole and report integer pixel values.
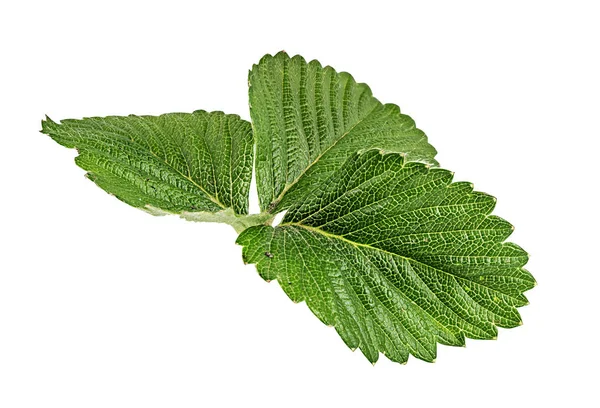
(227, 216)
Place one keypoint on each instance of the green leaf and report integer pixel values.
(308, 120)
(194, 164)
(378, 243)
(396, 257)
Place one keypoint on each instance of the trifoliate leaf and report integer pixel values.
(307, 121)
(194, 164)
(396, 257)
(380, 245)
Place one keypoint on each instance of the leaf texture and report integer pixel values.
(308, 120)
(396, 257)
(378, 241)
(176, 162)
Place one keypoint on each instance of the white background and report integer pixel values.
(102, 305)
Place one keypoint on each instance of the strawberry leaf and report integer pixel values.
(396, 257)
(377, 240)
(308, 120)
(198, 165)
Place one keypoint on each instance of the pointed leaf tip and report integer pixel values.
(47, 124)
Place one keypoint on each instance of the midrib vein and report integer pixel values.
(289, 186)
(361, 245)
